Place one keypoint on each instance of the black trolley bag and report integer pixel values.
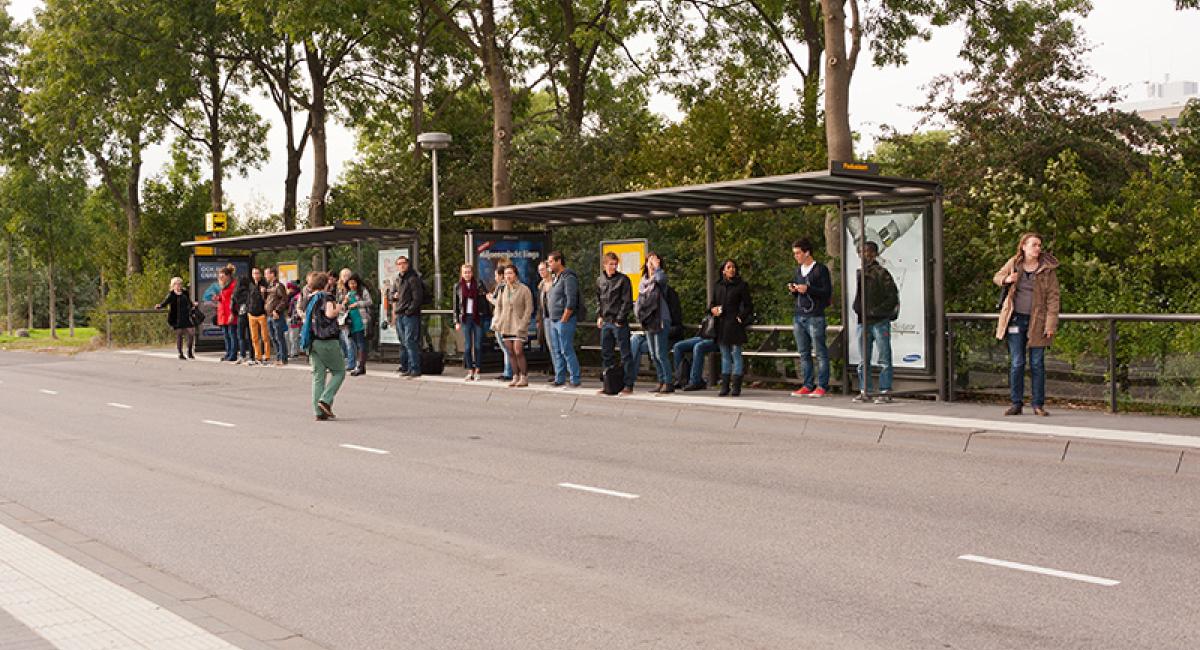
(614, 379)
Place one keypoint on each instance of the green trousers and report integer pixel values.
(326, 356)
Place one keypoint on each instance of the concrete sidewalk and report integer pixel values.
(1174, 432)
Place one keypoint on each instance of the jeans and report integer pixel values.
(409, 330)
(731, 360)
(637, 345)
(660, 352)
(243, 325)
(551, 346)
(612, 337)
(472, 343)
(278, 328)
(878, 335)
(1017, 342)
(809, 332)
(563, 347)
(230, 332)
(260, 337)
(348, 350)
(326, 357)
(697, 348)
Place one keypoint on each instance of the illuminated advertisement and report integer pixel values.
(387, 275)
(632, 255)
(205, 289)
(523, 250)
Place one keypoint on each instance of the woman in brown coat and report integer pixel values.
(514, 309)
(1028, 318)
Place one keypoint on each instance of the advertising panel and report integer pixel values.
(205, 289)
(289, 272)
(524, 250)
(904, 250)
(632, 253)
(387, 274)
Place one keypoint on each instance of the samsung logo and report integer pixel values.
(912, 358)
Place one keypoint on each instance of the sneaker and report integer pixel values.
(321, 417)
(884, 398)
(861, 398)
(817, 392)
(470, 376)
(1015, 409)
(237, 362)
(803, 391)
(181, 357)
(1039, 411)
(326, 410)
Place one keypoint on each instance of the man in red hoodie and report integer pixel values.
(225, 316)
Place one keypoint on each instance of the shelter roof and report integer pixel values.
(334, 235)
(743, 195)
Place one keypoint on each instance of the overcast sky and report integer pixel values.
(1135, 41)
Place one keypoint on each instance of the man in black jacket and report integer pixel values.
(614, 300)
(882, 307)
(811, 288)
(408, 294)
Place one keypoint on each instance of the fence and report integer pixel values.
(1157, 367)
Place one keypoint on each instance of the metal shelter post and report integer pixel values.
(863, 357)
(437, 239)
(939, 305)
(847, 331)
(710, 280)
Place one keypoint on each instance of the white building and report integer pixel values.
(1164, 100)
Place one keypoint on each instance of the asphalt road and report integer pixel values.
(462, 536)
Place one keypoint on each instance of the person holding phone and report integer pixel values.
(1028, 319)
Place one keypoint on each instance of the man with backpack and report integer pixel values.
(811, 289)
(882, 300)
(408, 295)
(319, 337)
(614, 302)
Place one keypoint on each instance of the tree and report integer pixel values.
(10, 107)
(97, 93)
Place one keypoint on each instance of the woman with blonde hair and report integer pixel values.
(179, 317)
(514, 309)
(1028, 318)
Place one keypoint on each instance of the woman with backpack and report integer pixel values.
(654, 314)
(732, 308)
(179, 317)
(514, 309)
(320, 336)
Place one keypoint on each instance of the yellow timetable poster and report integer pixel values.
(632, 253)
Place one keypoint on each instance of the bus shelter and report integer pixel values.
(210, 255)
(902, 216)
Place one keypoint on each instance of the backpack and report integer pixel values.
(614, 379)
(316, 324)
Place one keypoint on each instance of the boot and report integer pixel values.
(737, 385)
(724, 386)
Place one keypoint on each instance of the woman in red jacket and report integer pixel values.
(225, 316)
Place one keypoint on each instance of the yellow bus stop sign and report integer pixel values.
(216, 222)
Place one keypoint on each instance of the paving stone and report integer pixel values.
(61, 532)
(776, 423)
(296, 643)
(21, 513)
(1014, 445)
(844, 430)
(1156, 459)
(954, 440)
(241, 620)
(691, 415)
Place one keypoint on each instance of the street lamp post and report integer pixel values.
(432, 142)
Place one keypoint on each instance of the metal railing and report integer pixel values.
(1112, 320)
(120, 312)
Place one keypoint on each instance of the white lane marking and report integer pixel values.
(1104, 582)
(48, 392)
(369, 450)
(72, 607)
(596, 490)
(218, 423)
(118, 405)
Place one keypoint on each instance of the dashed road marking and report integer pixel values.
(1103, 582)
(218, 423)
(46, 391)
(596, 490)
(369, 450)
(118, 405)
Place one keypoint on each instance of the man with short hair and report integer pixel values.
(563, 308)
(276, 307)
(614, 302)
(408, 294)
(811, 288)
(882, 307)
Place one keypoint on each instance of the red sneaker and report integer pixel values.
(804, 391)
(819, 392)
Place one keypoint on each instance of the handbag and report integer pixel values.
(708, 327)
(1003, 296)
(197, 316)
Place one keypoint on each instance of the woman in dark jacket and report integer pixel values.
(241, 309)
(732, 308)
(179, 317)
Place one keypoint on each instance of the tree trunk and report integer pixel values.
(815, 43)
(8, 296)
(418, 83)
(576, 81)
(32, 278)
(291, 186)
(216, 142)
(71, 310)
(316, 119)
(53, 316)
(500, 85)
(839, 68)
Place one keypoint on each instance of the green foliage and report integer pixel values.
(137, 291)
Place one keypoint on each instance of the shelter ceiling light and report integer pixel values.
(910, 190)
(826, 197)
(720, 207)
(787, 200)
(754, 204)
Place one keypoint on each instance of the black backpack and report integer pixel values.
(323, 327)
